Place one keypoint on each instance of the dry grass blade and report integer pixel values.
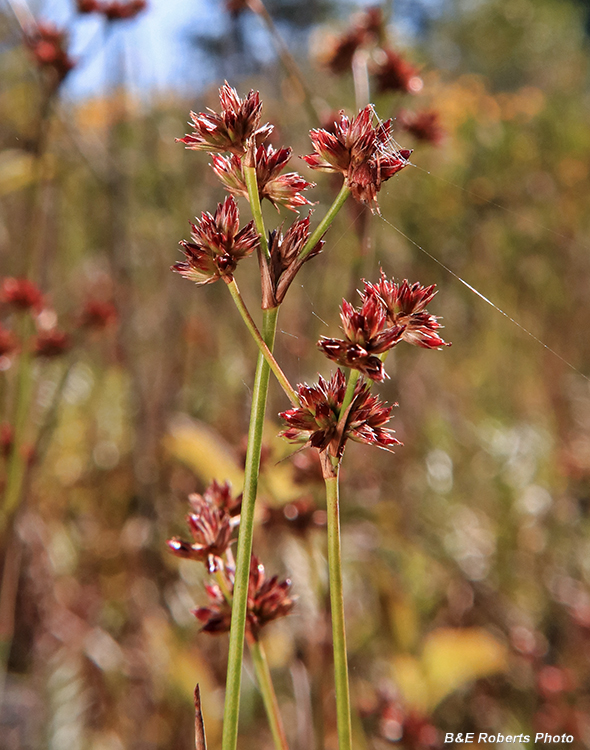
(200, 740)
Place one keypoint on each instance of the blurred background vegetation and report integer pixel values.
(467, 553)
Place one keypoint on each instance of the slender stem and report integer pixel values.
(257, 336)
(269, 696)
(322, 227)
(353, 377)
(256, 208)
(240, 599)
(337, 609)
(18, 460)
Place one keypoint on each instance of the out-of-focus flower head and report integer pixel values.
(48, 46)
(121, 11)
(97, 314)
(230, 130)
(405, 305)
(318, 420)
(367, 27)
(366, 337)
(211, 529)
(280, 190)
(279, 272)
(268, 600)
(217, 245)
(393, 73)
(52, 343)
(8, 342)
(425, 126)
(21, 293)
(361, 152)
(220, 496)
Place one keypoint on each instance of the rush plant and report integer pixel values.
(325, 415)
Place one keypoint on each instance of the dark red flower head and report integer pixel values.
(393, 73)
(405, 306)
(21, 293)
(52, 343)
(218, 244)
(284, 264)
(268, 600)
(220, 496)
(120, 11)
(211, 529)
(366, 337)
(97, 314)
(49, 48)
(425, 126)
(280, 190)
(238, 121)
(318, 420)
(361, 152)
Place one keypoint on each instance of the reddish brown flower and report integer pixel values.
(8, 342)
(121, 11)
(21, 293)
(219, 496)
(211, 529)
(218, 244)
(229, 131)
(405, 305)
(280, 190)
(394, 73)
(366, 337)
(285, 262)
(49, 48)
(52, 343)
(268, 599)
(97, 314)
(425, 126)
(367, 27)
(361, 152)
(318, 420)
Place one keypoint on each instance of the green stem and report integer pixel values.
(257, 336)
(324, 224)
(240, 598)
(254, 198)
(353, 377)
(18, 460)
(269, 696)
(337, 609)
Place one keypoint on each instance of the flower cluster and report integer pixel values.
(424, 126)
(212, 519)
(319, 422)
(48, 46)
(394, 73)
(366, 29)
(361, 152)
(280, 190)
(405, 305)
(366, 337)
(268, 600)
(217, 245)
(112, 10)
(229, 131)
